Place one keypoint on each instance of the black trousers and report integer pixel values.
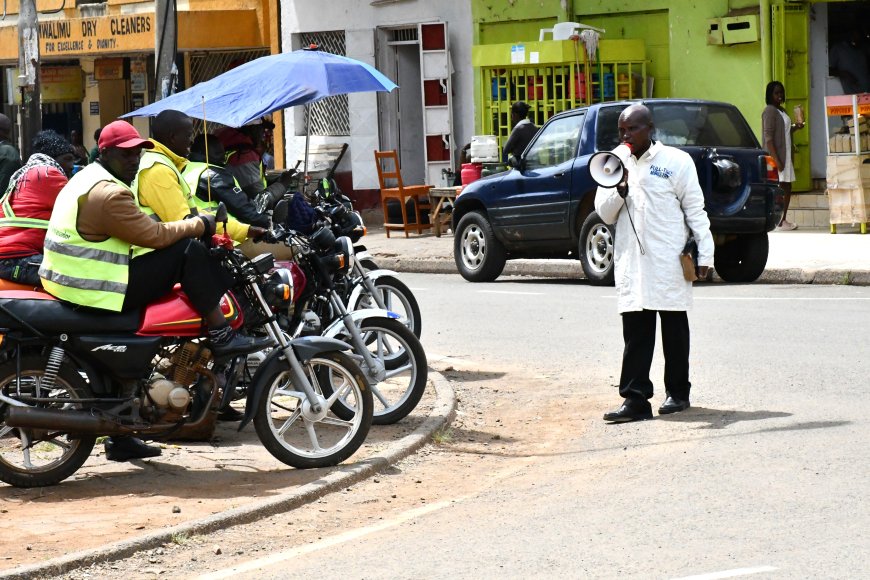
(639, 334)
(188, 262)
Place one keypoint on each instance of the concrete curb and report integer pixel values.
(442, 413)
(571, 269)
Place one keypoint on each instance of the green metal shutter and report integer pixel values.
(791, 66)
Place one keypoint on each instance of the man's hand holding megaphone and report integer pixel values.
(622, 186)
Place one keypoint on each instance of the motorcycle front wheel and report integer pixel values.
(404, 366)
(294, 433)
(39, 457)
(397, 298)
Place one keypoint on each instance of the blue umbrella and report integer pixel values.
(271, 83)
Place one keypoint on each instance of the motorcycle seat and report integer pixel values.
(52, 316)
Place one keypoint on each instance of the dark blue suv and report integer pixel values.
(543, 206)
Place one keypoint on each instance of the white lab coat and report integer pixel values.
(664, 197)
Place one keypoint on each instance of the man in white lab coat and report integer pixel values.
(660, 190)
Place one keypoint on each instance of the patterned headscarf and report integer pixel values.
(47, 145)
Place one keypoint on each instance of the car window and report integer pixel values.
(701, 124)
(608, 127)
(682, 124)
(556, 143)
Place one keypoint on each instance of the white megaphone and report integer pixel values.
(607, 167)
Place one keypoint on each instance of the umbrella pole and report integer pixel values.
(307, 138)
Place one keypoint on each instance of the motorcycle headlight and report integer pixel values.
(279, 289)
(342, 258)
(352, 226)
(323, 239)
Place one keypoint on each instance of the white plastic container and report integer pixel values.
(484, 149)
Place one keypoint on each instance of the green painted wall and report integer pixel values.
(675, 32)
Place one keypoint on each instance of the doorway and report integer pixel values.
(830, 23)
(114, 100)
(401, 111)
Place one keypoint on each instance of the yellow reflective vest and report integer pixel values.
(192, 173)
(74, 269)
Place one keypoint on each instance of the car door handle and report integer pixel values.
(562, 174)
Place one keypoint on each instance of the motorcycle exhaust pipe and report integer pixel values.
(61, 420)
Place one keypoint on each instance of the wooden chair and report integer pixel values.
(388, 169)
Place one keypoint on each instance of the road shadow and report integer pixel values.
(232, 465)
(720, 419)
(471, 376)
(806, 426)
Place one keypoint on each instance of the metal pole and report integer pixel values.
(30, 118)
(165, 48)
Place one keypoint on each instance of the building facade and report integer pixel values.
(724, 50)
(424, 47)
(97, 58)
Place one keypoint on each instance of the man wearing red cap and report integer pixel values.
(96, 222)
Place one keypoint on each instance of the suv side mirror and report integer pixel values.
(515, 162)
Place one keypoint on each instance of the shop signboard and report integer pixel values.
(104, 34)
(109, 69)
(58, 84)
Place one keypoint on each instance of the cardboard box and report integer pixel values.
(848, 183)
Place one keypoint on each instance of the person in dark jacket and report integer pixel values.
(522, 133)
(212, 182)
(10, 159)
(243, 160)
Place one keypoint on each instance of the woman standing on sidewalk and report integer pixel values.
(776, 128)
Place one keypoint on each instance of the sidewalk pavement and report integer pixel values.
(796, 257)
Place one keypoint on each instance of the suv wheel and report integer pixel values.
(596, 250)
(479, 256)
(742, 259)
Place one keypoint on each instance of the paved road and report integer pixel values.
(765, 476)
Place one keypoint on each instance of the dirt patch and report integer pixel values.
(505, 423)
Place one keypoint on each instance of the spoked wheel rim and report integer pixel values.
(309, 433)
(394, 301)
(40, 452)
(599, 248)
(473, 247)
(399, 371)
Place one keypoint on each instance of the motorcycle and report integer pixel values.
(370, 286)
(388, 353)
(69, 375)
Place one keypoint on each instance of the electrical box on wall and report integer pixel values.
(714, 31)
(738, 29)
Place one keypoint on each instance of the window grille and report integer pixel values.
(330, 115)
(205, 66)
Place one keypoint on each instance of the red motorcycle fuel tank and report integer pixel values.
(174, 315)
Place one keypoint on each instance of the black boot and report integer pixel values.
(226, 343)
(124, 448)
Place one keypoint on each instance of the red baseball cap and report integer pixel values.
(122, 134)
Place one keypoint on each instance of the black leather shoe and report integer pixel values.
(631, 410)
(240, 344)
(672, 405)
(230, 414)
(127, 448)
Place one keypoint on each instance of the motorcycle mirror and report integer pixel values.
(279, 212)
